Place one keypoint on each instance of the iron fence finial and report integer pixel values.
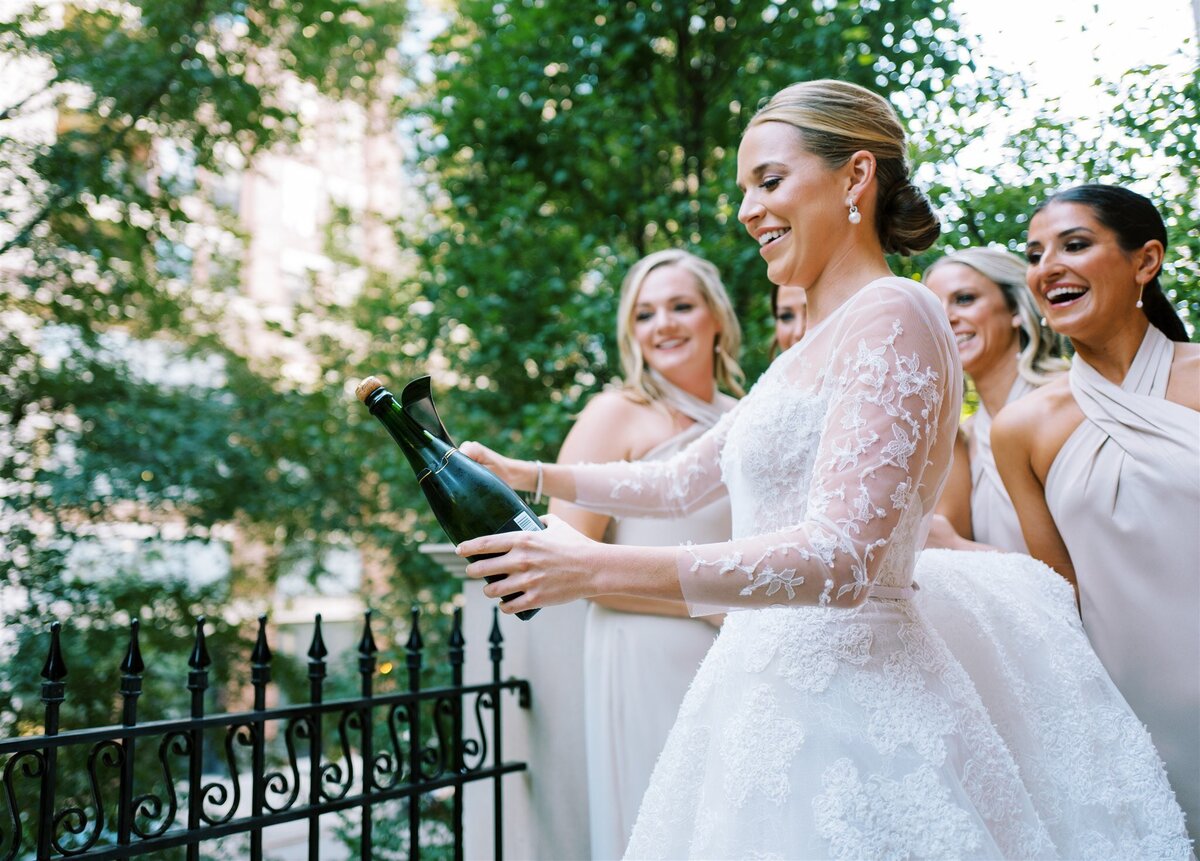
(133, 664)
(55, 668)
(262, 652)
(199, 659)
(317, 651)
(366, 646)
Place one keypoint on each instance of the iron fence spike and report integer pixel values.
(366, 646)
(55, 668)
(262, 652)
(496, 638)
(133, 664)
(457, 641)
(317, 650)
(199, 659)
(415, 643)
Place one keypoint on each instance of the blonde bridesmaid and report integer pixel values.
(679, 340)
(1007, 353)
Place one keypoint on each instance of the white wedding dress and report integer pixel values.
(844, 713)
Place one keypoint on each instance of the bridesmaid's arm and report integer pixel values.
(1013, 433)
(951, 528)
(943, 536)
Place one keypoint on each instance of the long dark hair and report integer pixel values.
(1135, 221)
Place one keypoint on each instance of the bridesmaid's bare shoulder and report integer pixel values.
(1039, 424)
(620, 426)
(613, 405)
(1026, 414)
(1184, 384)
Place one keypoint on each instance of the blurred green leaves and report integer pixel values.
(564, 141)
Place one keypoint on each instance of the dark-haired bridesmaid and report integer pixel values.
(1104, 465)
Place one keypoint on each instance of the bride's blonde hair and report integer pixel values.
(835, 120)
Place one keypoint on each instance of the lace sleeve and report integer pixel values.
(667, 488)
(891, 380)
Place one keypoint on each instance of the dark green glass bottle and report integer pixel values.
(467, 498)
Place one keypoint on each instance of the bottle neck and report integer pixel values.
(425, 452)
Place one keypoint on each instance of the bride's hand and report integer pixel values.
(553, 566)
(517, 474)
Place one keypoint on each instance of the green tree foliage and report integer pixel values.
(106, 227)
(564, 141)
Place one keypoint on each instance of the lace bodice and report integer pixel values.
(832, 462)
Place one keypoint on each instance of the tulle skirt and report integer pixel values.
(973, 721)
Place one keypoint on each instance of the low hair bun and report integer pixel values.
(906, 221)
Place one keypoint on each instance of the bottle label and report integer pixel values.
(521, 522)
(525, 523)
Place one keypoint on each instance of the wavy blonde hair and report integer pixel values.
(728, 346)
(1040, 358)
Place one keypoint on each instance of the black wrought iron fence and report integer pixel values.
(238, 773)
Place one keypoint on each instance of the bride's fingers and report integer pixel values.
(476, 451)
(500, 543)
(480, 453)
(506, 585)
(519, 604)
(500, 566)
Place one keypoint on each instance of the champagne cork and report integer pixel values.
(364, 389)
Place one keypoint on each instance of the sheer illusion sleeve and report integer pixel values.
(891, 377)
(668, 488)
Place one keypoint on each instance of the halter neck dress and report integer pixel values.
(1124, 491)
(993, 517)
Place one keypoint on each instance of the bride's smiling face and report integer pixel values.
(793, 204)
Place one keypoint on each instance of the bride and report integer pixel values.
(849, 709)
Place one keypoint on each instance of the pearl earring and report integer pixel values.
(855, 217)
(1141, 291)
(1042, 320)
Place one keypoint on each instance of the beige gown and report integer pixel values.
(1125, 494)
(993, 518)
(637, 668)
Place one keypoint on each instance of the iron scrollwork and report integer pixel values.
(422, 747)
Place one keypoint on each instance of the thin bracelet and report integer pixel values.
(537, 491)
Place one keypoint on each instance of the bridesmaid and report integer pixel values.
(1007, 353)
(789, 310)
(1104, 463)
(679, 339)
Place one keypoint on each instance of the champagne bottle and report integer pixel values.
(467, 498)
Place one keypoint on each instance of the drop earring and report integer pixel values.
(1141, 292)
(855, 216)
